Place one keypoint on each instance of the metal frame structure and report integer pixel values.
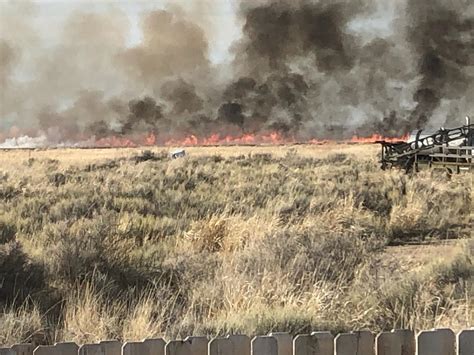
(449, 149)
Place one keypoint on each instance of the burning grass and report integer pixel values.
(103, 243)
(213, 140)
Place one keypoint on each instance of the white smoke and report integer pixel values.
(25, 142)
(41, 141)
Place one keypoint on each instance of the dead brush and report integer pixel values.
(208, 235)
(408, 216)
(89, 317)
(149, 316)
(21, 324)
(347, 217)
(251, 244)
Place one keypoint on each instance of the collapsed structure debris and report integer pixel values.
(450, 149)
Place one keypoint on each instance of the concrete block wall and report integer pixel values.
(396, 342)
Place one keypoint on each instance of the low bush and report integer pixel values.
(214, 244)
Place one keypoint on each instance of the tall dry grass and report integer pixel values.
(132, 247)
(21, 324)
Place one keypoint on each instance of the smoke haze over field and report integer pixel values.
(305, 69)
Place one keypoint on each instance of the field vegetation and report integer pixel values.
(127, 244)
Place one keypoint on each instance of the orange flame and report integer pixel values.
(376, 138)
(217, 139)
(271, 138)
(150, 139)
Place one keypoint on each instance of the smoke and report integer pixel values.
(305, 71)
(301, 68)
(442, 36)
(8, 57)
(171, 45)
(277, 33)
(182, 97)
(144, 116)
(305, 68)
(278, 103)
(25, 142)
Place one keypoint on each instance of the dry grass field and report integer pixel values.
(118, 243)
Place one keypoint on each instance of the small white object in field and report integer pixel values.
(179, 153)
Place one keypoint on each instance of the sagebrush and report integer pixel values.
(128, 247)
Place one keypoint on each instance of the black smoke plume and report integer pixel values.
(278, 32)
(442, 37)
(145, 115)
